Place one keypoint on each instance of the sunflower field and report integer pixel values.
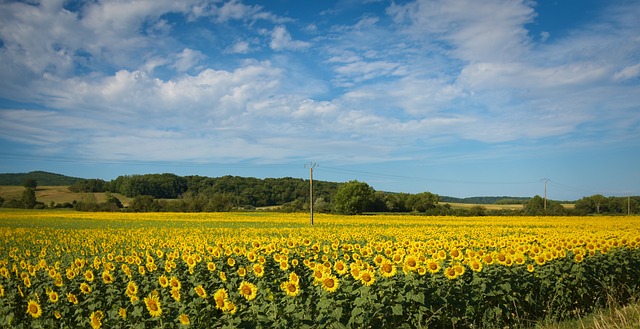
(63, 269)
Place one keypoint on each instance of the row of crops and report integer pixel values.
(152, 270)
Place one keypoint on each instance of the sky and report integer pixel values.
(459, 98)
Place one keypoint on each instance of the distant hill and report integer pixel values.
(486, 200)
(43, 178)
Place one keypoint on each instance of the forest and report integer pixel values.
(173, 193)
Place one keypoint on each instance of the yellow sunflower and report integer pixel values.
(433, 266)
(200, 291)
(175, 294)
(330, 283)
(248, 290)
(290, 288)
(340, 267)
(450, 273)
(85, 288)
(34, 309)
(53, 297)
(163, 281)
(367, 277)
(96, 319)
(184, 319)
(88, 275)
(258, 270)
(220, 298)
(175, 283)
(107, 278)
(153, 305)
(132, 289)
(72, 298)
(388, 269)
(122, 312)
(475, 265)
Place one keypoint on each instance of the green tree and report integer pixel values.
(353, 198)
(30, 183)
(29, 198)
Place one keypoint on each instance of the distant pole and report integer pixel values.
(628, 205)
(545, 180)
(311, 165)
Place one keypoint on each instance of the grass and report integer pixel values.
(616, 317)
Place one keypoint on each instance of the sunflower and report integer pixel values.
(96, 319)
(34, 309)
(184, 319)
(163, 281)
(107, 278)
(1, 290)
(411, 263)
(367, 277)
(488, 259)
(330, 283)
(175, 294)
(433, 266)
(88, 275)
(122, 312)
(153, 305)
(450, 273)
(475, 265)
(291, 288)
(72, 298)
(211, 266)
(53, 297)
(578, 258)
(540, 260)
(340, 267)
(132, 289)
(231, 262)
(248, 290)
(223, 276)
(258, 270)
(200, 291)
(175, 283)
(530, 267)
(388, 269)
(220, 298)
(229, 307)
(85, 288)
(293, 277)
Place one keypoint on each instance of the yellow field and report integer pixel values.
(165, 270)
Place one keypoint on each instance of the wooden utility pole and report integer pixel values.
(628, 205)
(545, 180)
(311, 165)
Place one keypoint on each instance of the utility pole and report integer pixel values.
(545, 180)
(628, 205)
(311, 165)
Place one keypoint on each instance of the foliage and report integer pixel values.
(353, 198)
(42, 177)
(29, 198)
(123, 270)
(89, 186)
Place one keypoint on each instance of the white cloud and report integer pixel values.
(281, 40)
(628, 73)
(187, 59)
(240, 47)
(477, 30)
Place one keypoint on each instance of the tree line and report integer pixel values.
(170, 192)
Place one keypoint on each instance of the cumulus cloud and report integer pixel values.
(281, 40)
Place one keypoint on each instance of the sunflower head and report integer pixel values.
(248, 290)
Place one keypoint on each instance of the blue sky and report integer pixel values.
(459, 98)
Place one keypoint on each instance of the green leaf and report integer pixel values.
(356, 311)
(397, 309)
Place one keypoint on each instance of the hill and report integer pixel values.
(42, 177)
(485, 200)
